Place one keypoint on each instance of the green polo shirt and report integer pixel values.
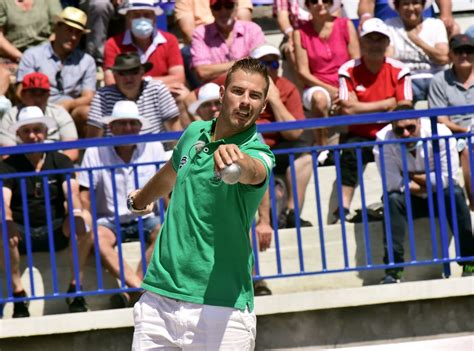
(203, 253)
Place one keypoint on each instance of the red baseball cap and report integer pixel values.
(213, 2)
(36, 80)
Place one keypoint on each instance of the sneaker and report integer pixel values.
(291, 220)
(468, 270)
(347, 215)
(260, 288)
(119, 300)
(78, 304)
(20, 309)
(392, 278)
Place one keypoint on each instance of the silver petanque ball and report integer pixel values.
(231, 174)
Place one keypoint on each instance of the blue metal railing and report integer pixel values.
(435, 196)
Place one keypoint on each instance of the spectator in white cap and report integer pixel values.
(31, 127)
(124, 120)
(420, 43)
(152, 45)
(208, 104)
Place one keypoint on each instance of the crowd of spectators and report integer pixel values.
(396, 54)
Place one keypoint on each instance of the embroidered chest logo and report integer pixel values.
(183, 161)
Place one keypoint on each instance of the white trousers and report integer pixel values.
(162, 323)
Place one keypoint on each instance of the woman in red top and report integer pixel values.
(322, 45)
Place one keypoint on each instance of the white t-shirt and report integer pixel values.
(124, 176)
(432, 32)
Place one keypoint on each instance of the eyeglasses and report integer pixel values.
(219, 5)
(400, 130)
(273, 64)
(314, 2)
(129, 72)
(463, 50)
(59, 82)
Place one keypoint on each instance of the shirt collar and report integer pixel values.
(237, 139)
(238, 29)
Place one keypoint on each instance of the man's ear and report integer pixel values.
(221, 93)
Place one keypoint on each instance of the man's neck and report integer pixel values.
(125, 152)
(133, 95)
(59, 51)
(36, 159)
(464, 75)
(374, 65)
(143, 44)
(226, 31)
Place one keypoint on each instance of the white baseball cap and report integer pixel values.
(126, 110)
(31, 115)
(264, 50)
(391, 3)
(374, 25)
(208, 92)
(131, 5)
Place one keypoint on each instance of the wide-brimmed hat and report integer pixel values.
(31, 115)
(264, 50)
(129, 60)
(74, 17)
(131, 5)
(35, 80)
(126, 109)
(374, 25)
(391, 3)
(208, 92)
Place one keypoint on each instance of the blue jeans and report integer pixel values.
(130, 231)
(419, 207)
(420, 89)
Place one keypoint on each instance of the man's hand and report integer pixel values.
(225, 155)
(178, 91)
(448, 21)
(264, 235)
(273, 92)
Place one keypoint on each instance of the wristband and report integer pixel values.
(77, 210)
(288, 30)
(366, 14)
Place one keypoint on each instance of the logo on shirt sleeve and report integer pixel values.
(183, 161)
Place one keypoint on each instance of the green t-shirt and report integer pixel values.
(25, 29)
(203, 253)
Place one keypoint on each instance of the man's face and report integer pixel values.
(32, 133)
(407, 128)
(242, 100)
(209, 110)
(35, 97)
(67, 37)
(224, 13)
(462, 57)
(135, 14)
(374, 45)
(129, 80)
(410, 11)
(125, 127)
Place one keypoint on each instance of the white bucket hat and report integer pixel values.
(207, 92)
(374, 25)
(131, 5)
(125, 110)
(264, 50)
(391, 3)
(31, 115)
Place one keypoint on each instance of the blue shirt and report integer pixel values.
(77, 72)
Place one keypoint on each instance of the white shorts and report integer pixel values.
(169, 324)
(308, 95)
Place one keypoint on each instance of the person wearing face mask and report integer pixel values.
(152, 45)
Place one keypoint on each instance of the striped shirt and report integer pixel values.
(155, 103)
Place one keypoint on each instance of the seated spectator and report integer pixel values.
(190, 14)
(153, 99)
(322, 46)
(381, 9)
(417, 187)
(5, 103)
(372, 83)
(207, 105)
(284, 105)
(125, 120)
(421, 44)
(24, 24)
(71, 72)
(32, 127)
(152, 45)
(216, 46)
(455, 87)
(35, 92)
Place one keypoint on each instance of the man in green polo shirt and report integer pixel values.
(199, 281)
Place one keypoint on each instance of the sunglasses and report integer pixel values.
(314, 2)
(274, 64)
(219, 6)
(129, 72)
(464, 50)
(400, 130)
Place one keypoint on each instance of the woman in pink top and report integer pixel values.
(322, 45)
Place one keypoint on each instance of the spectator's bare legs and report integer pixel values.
(4, 80)
(347, 195)
(84, 240)
(320, 108)
(303, 170)
(79, 115)
(148, 252)
(466, 172)
(14, 259)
